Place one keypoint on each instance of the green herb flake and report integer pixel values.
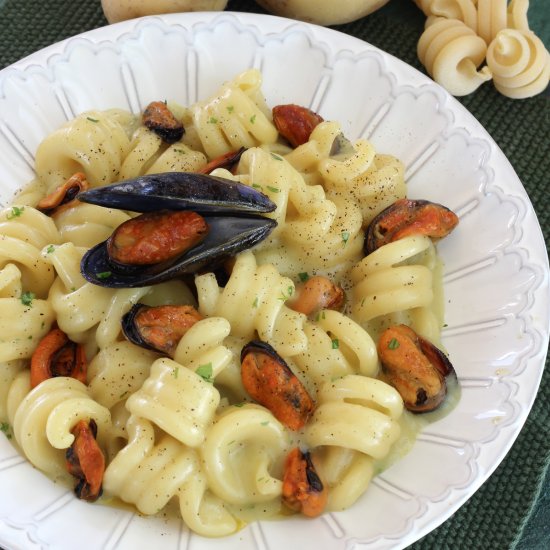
(304, 276)
(239, 404)
(176, 372)
(345, 237)
(50, 249)
(264, 423)
(290, 291)
(103, 274)
(257, 186)
(15, 212)
(393, 343)
(27, 298)
(230, 108)
(5, 428)
(252, 119)
(213, 120)
(255, 302)
(335, 343)
(276, 157)
(92, 119)
(205, 372)
(273, 189)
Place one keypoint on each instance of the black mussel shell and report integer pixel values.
(202, 193)
(130, 329)
(228, 235)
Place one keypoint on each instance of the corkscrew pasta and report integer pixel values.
(184, 427)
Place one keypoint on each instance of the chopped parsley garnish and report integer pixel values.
(255, 303)
(304, 276)
(103, 274)
(230, 108)
(239, 404)
(175, 372)
(6, 429)
(92, 119)
(276, 157)
(50, 249)
(265, 423)
(252, 119)
(335, 343)
(205, 372)
(345, 237)
(16, 211)
(27, 298)
(213, 120)
(273, 189)
(393, 343)
(257, 186)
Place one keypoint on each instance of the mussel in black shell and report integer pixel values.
(173, 238)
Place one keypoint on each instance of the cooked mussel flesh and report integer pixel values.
(227, 236)
(156, 237)
(409, 217)
(227, 161)
(85, 461)
(159, 328)
(317, 293)
(303, 490)
(158, 118)
(56, 355)
(200, 193)
(64, 194)
(416, 368)
(295, 123)
(270, 382)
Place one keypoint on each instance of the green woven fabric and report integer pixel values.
(512, 509)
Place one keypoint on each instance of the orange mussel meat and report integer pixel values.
(159, 328)
(156, 237)
(56, 355)
(415, 367)
(407, 217)
(317, 293)
(270, 382)
(158, 118)
(295, 123)
(303, 490)
(64, 195)
(85, 461)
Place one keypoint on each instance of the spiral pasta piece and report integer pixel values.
(118, 371)
(149, 155)
(95, 143)
(491, 18)
(243, 453)
(462, 10)
(254, 300)
(43, 421)
(177, 400)
(398, 277)
(336, 346)
(81, 306)
(25, 319)
(519, 62)
(356, 421)
(87, 224)
(23, 232)
(451, 53)
(236, 116)
(149, 471)
(8, 373)
(517, 15)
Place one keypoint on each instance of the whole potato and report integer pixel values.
(322, 12)
(120, 10)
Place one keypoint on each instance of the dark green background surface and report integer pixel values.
(512, 509)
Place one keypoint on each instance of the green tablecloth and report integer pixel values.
(512, 509)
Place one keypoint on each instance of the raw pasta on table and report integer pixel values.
(181, 425)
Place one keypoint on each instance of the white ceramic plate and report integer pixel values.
(496, 276)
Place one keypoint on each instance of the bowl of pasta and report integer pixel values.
(189, 453)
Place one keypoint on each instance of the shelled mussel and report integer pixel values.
(220, 218)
